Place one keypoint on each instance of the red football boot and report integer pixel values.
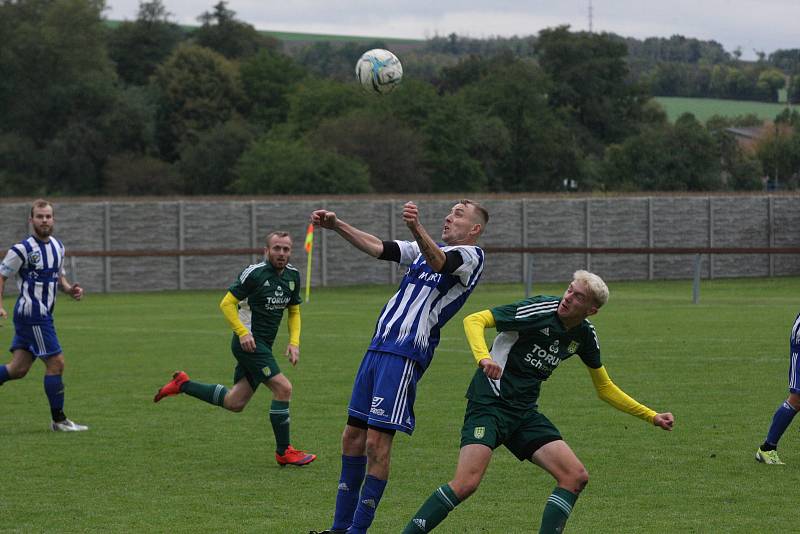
(173, 387)
(292, 456)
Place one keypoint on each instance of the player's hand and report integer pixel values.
(76, 292)
(324, 218)
(293, 352)
(247, 342)
(410, 214)
(3, 313)
(664, 420)
(491, 368)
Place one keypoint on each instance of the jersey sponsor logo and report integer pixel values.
(573, 347)
(279, 291)
(430, 277)
(554, 347)
(479, 432)
(376, 402)
(545, 331)
(541, 359)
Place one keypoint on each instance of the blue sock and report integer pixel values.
(353, 470)
(780, 422)
(368, 502)
(54, 388)
(4, 377)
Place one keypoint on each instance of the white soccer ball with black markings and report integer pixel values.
(379, 71)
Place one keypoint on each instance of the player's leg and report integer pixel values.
(279, 419)
(54, 390)
(557, 458)
(473, 459)
(18, 367)
(785, 413)
(391, 408)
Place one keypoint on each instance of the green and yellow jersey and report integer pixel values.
(263, 294)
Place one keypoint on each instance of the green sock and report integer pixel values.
(211, 393)
(279, 417)
(557, 510)
(433, 511)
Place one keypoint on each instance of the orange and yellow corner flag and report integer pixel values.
(309, 245)
(309, 238)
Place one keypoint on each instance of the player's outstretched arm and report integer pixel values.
(427, 246)
(609, 392)
(358, 238)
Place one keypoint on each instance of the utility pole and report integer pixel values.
(591, 17)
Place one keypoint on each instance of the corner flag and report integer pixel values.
(309, 246)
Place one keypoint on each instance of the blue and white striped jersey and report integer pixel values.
(410, 322)
(38, 266)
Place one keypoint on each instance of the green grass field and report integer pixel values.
(185, 466)
(704, 108)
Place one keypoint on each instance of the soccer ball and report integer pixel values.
(379, 71)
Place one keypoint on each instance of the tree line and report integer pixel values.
(150, 107)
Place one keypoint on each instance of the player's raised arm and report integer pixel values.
(427, 246)
(609, 392)
(358, 238)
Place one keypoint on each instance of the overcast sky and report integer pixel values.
(764, 25)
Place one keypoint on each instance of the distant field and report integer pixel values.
(183, 466)
(704, 108)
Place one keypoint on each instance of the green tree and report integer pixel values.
(267, 80)
(287, 167)
(234, 39)
(199, 89)
(208, 165)
(589, 74)
(57, 89)
(136, 174)
(316, 100)
(392, 151)
(138, 47)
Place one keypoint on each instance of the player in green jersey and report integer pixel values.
(254, 308)
(535, 336)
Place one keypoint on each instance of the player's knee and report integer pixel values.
(17, 371)
(580, 479)
(465, 488)
(794, 401)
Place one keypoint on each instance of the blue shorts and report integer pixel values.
(38, 339)
(384, 391)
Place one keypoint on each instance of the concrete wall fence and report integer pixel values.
(658, 221)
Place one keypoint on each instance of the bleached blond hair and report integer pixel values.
(597, 289)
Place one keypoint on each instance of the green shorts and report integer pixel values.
(257, 367)
(522, 432)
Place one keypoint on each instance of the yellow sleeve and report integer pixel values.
(230, 309)
(474, 325)
(609, 392)
(294, 325)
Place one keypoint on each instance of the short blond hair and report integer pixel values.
(597, 289)
(41, 203)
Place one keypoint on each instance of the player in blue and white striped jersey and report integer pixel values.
(38, 263)
(437, 282)
(768, 451)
